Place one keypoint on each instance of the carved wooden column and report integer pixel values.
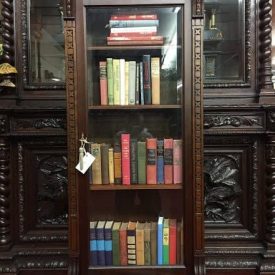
(7, 34)
(5, 227)
(268, 264)
(267, 94)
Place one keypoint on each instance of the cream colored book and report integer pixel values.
(155, 78)
(116, 81)
(126, 82)
(111, 165)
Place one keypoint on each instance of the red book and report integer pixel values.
(135, 34)
(168, 160)
(151, 156)
(136, 38)
(177, 161)
(134, 42)
(123, 244)
(134, 17)
(172, 241)
(103, 82)
(125, 158)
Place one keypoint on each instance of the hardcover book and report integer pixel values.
(155, 75)
(122, 80)
(96, 166)
(172, 241)
(108, 242)
(123, 243)
(110, 81)
(133, 23)
(125, 158)
(126, 100)
(93, 245)
(103, 82)
(111, 165)
(132, 82)
(131, 243)
(134, 17)
(160, 162)
(165, 242)
(141, 152)
(104, 148)
(147, 244)
(116, 81)
(115, 242)
(153, 238)
(160, 240)
(177, 161)
(140, 243)
(100, 243)
(151, 160)
(133, 162)
(146, 61)
(168, 160)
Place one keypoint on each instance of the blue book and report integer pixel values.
(100, 243)
(160, 162)
(108, 243)
(160, 240)
(93, 245)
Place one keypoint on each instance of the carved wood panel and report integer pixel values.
(42, 182)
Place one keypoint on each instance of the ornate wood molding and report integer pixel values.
(70, 52)
(5, 226)
(68, 8)
(197, 8)
(7, 34)
(197, 33)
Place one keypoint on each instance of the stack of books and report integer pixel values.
(131, 161)
(136, 243)
(130, 82)
(134, 29)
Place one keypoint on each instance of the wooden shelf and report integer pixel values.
(130, 47)
(137, 267)
(133, 107)
(108, 187)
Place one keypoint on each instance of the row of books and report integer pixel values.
(134, 30)
(129, 161)
(131, 82)
(136, 243)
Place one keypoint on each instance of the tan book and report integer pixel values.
(111, 166)
(155, 78)
(96, 166)
(131, 243)
(140, 243)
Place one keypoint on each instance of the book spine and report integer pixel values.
(115, 252)
(160, 242)
(141, 87)
(93, 247)
(177, 161)
(165, 242)
(151, 160)
(134, 29)
(111, 165)
(96, 167)
(103, 82)
(125, 158)
(132, 23)
(173, 242)
(141, 160)
(116, 80)
(137, 92)
(117, 162)
(131, 247)
(155, 75)
(110, 81)
(127, 68)
(133, 162)
(160, 162)
(136, 33)
(123, 247)
(146, 60)
(134, 17)
(108, 246)
(132, 82)
(122, 81)
(153, 239)
(100, 246)
(147, 244)
(135, 38)
(168, 161)
(105, 163)
(140, 246)
(134, 42)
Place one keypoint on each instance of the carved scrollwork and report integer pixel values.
(222, 189)
(197, 8)
(3, 124)
(50, 123)
(215, 121)
(7, 34)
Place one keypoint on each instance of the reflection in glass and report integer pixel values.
(224, 41)
(46, 42)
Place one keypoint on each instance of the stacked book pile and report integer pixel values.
(129, 82)
(136, 243)
(131, 161)
(138, 29)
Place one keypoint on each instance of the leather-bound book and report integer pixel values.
(147, 244)
(133, 162)
(131, 243)
(117, 161)
(153, 239)
(141, 149)
(104, 148)
(168, 160)
(96, 166)
(151, 165)
(160, 162)
(172, 241)
(108, 243)
(140, 243)
(103, 83)
(177, 161)
(100, 243)
(125, 158)
(115, 241)
(93, 247)
(123, 244)
(146, 61)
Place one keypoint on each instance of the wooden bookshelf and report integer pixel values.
(134, 107)
(136, 187)
(131, 47)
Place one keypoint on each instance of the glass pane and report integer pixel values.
(46, 42)
(135, 98)
(1, 39)
(224, 41)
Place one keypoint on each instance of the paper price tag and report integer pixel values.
(88, 159)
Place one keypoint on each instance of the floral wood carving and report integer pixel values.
(52, 192)
(222, 188)
(50, 123)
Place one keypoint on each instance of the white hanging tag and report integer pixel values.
(87, 161)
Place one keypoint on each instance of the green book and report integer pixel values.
(115, 242)
(110, 81)
(141, 152)
(165, 248)
(116, 81)
(147, 244)
(153, 239)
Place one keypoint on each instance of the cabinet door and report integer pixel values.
(135, 101)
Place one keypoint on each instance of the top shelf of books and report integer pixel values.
(149, 26)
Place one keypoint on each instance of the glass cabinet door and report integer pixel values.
(224, 41)
(135, 94)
